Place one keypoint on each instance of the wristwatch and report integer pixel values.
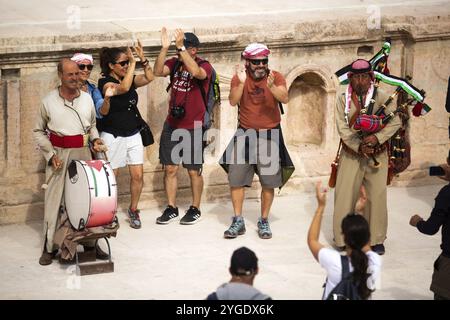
(183, 48)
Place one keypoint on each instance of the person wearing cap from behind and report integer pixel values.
(185, 116)
(243, 270)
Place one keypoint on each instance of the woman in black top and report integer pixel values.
(121, 120)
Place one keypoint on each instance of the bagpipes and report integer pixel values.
(368, 123)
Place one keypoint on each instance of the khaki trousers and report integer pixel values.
(352, 173)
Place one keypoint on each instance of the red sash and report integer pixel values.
(77, 141)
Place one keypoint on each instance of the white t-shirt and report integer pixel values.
(330, 260)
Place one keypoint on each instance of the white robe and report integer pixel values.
(56, 117)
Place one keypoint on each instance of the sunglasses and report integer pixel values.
(123, 63)
(84, 66)
(256, 62)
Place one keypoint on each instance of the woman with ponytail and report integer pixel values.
(121, 122)
(364, 264)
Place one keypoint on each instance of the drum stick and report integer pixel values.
(45, 185)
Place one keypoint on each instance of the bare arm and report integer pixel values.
(159, 69)
(236, 92)
(127, 81)
(148, 76)
(144, 79)
(104, 109)
(279, 92)
(314, 230)
(189, 63)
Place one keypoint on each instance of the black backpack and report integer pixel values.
(346, 289)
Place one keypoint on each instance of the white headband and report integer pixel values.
(78, 57)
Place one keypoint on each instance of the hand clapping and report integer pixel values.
(240, 72)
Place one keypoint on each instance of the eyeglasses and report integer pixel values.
(84, 66)
(256, 62)
(123, 63)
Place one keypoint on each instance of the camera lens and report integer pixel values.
(177, 112)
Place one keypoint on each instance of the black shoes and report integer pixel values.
(378, 248)
(169, 215)
(192, 216)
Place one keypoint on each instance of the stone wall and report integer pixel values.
(306, 53)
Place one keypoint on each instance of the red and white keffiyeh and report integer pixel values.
(254, 50)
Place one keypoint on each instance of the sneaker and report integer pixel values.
(169, 214)
(191, 216)
(378, 248)
(264, 229)
(237, 228)
(135, 220)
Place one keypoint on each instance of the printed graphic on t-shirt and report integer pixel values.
(257, 95)
(182, 81)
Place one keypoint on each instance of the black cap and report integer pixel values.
(243, 262)
(191, 40)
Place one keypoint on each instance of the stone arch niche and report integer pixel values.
(310, 111)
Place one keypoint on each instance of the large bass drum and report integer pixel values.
(90, 193)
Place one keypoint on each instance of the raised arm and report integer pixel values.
(314, 230)
(127, 81)
(279, 91)
(237, 91)
(191, 66)
(159, 69)
(148, 76)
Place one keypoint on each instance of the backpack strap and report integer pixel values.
(212, 296)
(172, 73)
(202, 90)
(345, 267)
(344, 273)
(280, 105)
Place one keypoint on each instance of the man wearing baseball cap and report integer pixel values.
(243, 270)
(186, 112)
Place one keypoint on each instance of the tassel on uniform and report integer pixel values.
(420, 109)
